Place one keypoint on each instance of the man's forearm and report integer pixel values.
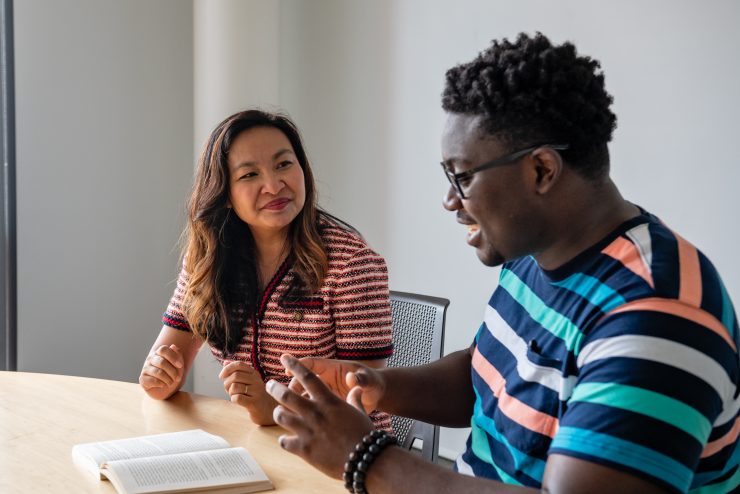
(440, 393)
(400, 471)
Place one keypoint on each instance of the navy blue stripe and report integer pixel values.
(576, 308)
(480, 468)
(523, 439)
(720, 430)
(711, 300)
(624, 281)
(533, 394)
(718, 461)
(527, 328)
(636, 428)
(653, 376)
(665, 267)
(672, 328)
(499, 452)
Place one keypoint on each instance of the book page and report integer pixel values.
(144, 446)
(187, 471)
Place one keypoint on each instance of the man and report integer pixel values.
(607, 361)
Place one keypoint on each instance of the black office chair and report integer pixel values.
(418, 336)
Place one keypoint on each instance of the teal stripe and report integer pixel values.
(529, 465)
(626, 453)
(481, 449)
(551, 320)
(727, 485)
(646, 402)
(593, 290)
(728, 313)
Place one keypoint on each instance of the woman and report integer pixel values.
(266, 272)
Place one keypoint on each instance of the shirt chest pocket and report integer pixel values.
(309, 324)
(529, 406)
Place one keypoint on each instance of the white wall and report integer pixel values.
(104, 125)
(364, 80)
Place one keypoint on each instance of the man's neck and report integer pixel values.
(585, 221)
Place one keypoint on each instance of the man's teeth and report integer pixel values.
(473, 228)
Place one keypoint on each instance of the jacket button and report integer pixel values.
(297, 316)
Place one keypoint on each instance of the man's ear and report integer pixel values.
(548, 167)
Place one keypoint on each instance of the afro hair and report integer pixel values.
(531, 92)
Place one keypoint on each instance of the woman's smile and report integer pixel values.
(277, 204)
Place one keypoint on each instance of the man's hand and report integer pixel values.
(352, 382)
(246, 388)
(324, 429)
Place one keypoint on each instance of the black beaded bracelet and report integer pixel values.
(359, 461)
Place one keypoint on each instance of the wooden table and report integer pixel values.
(42, 416)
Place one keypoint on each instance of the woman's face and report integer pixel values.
(266, 184)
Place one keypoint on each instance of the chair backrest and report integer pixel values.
(418, 337)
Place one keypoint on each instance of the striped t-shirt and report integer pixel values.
(626, 356)
(348, 318)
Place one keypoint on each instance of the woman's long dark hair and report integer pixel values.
(219, 250)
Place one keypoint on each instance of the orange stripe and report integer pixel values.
(690, 272)
(627, 253)
(680, 309)
(723, 441)
(516, 410)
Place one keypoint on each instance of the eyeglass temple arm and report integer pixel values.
(508, 159)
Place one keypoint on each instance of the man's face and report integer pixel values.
(497, 208)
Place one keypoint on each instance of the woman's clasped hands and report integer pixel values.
(162, 371)
(245, 387)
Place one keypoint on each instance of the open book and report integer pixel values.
(184, 461)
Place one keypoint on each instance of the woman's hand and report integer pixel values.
(352, 382)
(246, 388)
(162, 372)
(324, 428)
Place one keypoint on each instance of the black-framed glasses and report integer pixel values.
(462, 179)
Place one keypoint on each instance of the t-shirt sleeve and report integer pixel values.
(654, 389)
(361, 309)
(174, 316)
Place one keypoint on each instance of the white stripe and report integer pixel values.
(640, 236)
(546, 376)
(463, 467)
(668, 353)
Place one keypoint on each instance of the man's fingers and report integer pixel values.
(309, 363)
(354, 398)
(320, 365)
(291, 444)
(296, 387)
(306, 378)
(289, 420)
(289, 399)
